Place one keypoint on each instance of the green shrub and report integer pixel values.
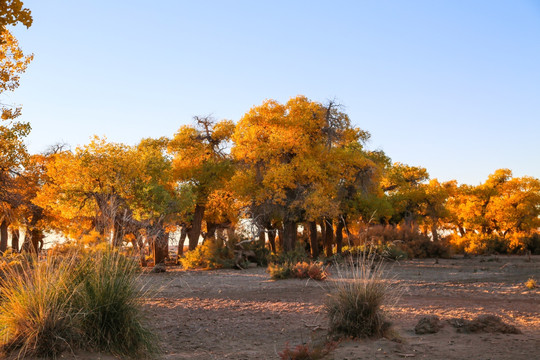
(394, 252)
(300, 270)
(262, 253)
(280, 271)
(110, 301)
(354, 306)
(291, 257)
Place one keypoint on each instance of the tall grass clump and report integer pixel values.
(37, 316)
(354, 305)
(89, 300)
(110, 302)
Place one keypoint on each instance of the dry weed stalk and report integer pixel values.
(358, 293)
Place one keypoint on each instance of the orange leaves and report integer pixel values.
(13, 62)
(12, 13)
(298, 155)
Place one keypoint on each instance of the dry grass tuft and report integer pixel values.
(36, 313)
(354, 305)
(87, 301)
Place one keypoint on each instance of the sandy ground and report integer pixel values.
(232, 314)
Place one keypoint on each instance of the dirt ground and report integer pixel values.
(233, 314)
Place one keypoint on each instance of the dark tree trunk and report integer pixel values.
(194, 232)
(314, 242)
(210, 231)
(33, 241)
(347, 232)
(289, 236)
(15, 236)
(280, 239)
(161, 247)
(3, 235)
(328, 236)
(261, 236)
(272, 240)
(183, 234)
(339, 236)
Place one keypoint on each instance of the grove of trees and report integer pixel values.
(284, 175)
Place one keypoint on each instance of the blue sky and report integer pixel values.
(453, 86)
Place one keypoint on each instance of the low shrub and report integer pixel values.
(482, 244)
(426, 248)
(317, 271)
(208, 256)
(391, 251)
(531, 284)
(297, 255)
(354, 305)
(262, 253)
(279, 271)
(525, 243)
(300, 270)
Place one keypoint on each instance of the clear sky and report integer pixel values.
(453, 86)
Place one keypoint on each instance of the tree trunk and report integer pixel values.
(280, 240)
(272, 240)
(328, 236)
(139, 239)
(210, 231)
(220, 237)
(347, 232)
(3, 235)
(314, 242)
(15, 236)
(339, 236)
(117, 235)
(434, 233)
(289, 236)
(161, 247)
(32, 241)
(194, 232)
(261, 237)
(183, 234)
